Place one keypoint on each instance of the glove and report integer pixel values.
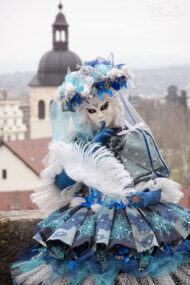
(63, 180)
(103, 135)
(144, 199)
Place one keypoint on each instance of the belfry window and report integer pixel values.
(41, 109)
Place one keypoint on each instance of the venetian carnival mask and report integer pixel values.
(100, 111)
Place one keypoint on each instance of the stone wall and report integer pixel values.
(15, 233)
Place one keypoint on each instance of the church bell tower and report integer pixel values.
(60, 31)
(51, 72)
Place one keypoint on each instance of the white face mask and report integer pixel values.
(100, 111)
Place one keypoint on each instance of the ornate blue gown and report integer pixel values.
(143, 242)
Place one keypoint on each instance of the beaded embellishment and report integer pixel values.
(87, 228)
(158, 223)
(121, 229)
(104, 223)
(167, 214)
(139, 222)
(75, 220)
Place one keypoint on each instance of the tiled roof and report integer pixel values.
(30, 151)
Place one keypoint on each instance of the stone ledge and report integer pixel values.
(15, 233)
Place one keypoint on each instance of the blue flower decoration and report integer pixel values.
(102, 69)
(147, 241)
(74, 220)
(138, 222)
(104, 223)
(167, 214)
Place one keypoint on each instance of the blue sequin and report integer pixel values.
(139, 222)
(59, 233)
(121, 229)
(158, 223)
(55, 220)
(74, 220)
(167, 214)
(58, 252)
(59, 222)
(147, 241)
(174, 205)
(47, 220)
(100, 237)
(87, 228)
(186, 226)
(179, 211)
(104, 223)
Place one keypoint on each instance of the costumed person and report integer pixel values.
(113, 214)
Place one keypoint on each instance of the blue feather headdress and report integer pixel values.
(94, 78)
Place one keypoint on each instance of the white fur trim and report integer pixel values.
(171, 191)
(77, 201)
(96, 207)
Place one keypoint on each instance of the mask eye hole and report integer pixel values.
(91, 111)
(105, 106)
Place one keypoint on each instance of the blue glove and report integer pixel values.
(144, 199)
(103, 135)
(63, 181)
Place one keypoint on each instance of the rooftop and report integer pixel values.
(30, 151)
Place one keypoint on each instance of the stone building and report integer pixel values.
(52, 69)
(11, 118)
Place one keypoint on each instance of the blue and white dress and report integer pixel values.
(145, 241)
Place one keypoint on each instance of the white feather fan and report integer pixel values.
(95, 166)
(98, 169)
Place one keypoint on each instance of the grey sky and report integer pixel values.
(145, 33)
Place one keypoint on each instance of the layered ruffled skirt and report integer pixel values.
(116, 245)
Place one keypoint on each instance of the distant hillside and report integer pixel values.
(149, 81)
(16, 82)
(156, 81)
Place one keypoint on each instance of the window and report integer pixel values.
(4, 174)
(41, 109)
(62, 36)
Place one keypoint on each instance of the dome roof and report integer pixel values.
(53, 67)
(60, 20)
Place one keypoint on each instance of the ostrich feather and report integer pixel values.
(46, 194)
(77, 201)
(95, 166)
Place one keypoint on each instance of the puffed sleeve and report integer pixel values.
(141, 156)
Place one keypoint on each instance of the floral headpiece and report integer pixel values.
(95, 77)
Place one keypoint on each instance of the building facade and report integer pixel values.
(11, 118)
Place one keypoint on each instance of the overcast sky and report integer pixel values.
(145, 33)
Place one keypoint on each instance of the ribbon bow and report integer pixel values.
(102, 89)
